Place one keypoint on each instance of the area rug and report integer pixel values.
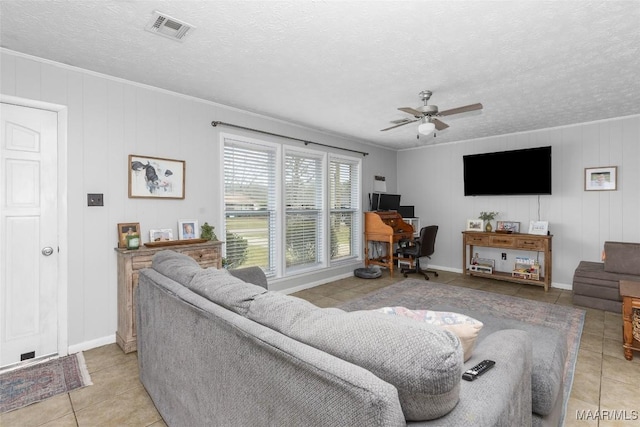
(33, 383)
(418, 294)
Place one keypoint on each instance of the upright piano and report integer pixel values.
(386, 227)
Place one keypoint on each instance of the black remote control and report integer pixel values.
(478, 370)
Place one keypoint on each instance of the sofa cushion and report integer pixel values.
(253, 275)
(622, 257)
(176, 266)
(593, 273)
(464, 327)
(424, 362)
(220, 287)
(549, 354)
(595, 302)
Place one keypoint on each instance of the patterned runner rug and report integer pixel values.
(418, 294)
(33, 383)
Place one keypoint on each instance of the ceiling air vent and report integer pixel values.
(166, 26)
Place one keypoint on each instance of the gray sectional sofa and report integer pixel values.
(597, 284)
(215, 350)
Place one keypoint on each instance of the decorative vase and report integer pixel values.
(488, 228)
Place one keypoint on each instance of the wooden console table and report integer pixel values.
(515, 241)
(630, 292)
(130, 262)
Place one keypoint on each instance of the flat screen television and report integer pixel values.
(389, 202)
(515, 172)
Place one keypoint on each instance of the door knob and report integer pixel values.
(47, 251)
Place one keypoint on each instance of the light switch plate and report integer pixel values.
(96, 199)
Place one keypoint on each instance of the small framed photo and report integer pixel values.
(508, 226)
(160, 235)
(156, 178)
(188, 229)
(125, 229)
(475, 225)
(539, 227)
(601, 179)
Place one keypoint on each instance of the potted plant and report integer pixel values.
(488, 216)
(206, 232)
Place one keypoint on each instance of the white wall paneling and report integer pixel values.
(581, 221)
(108, 119)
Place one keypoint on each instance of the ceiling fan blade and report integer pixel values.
(439, 125)
(401, 124)
(411, 111)
(459, 110)
(398, 121)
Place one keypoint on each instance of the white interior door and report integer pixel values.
(28, 233)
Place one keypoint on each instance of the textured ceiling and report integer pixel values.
(345, 67)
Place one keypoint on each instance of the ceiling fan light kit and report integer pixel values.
(426, 128)
(428, 115)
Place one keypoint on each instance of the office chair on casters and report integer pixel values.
(422, 246)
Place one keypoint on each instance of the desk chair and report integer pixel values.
(422, 246)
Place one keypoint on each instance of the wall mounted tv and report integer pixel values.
(516, 172)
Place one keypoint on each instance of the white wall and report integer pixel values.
(108, 119)
(431, 178)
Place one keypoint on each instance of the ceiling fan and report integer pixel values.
(428, 115)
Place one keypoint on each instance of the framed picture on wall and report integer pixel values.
(601, 179)
(155, 178)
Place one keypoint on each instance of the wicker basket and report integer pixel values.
(635, 319)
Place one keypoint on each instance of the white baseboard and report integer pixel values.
(316, 283)
(442, 268)
(564, 286)
(88, 345)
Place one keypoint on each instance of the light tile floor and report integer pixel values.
(605, 386)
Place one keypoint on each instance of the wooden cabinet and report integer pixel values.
(130, 262)
(630, 292)
(385, 228)
(516, 241)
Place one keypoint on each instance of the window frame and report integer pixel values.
(279, 268)
(320, 211)
(355, 210)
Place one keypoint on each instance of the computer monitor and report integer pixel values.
(389, 202)
(374, 201)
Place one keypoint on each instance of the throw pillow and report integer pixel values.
(622, 257)
(464, 327)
